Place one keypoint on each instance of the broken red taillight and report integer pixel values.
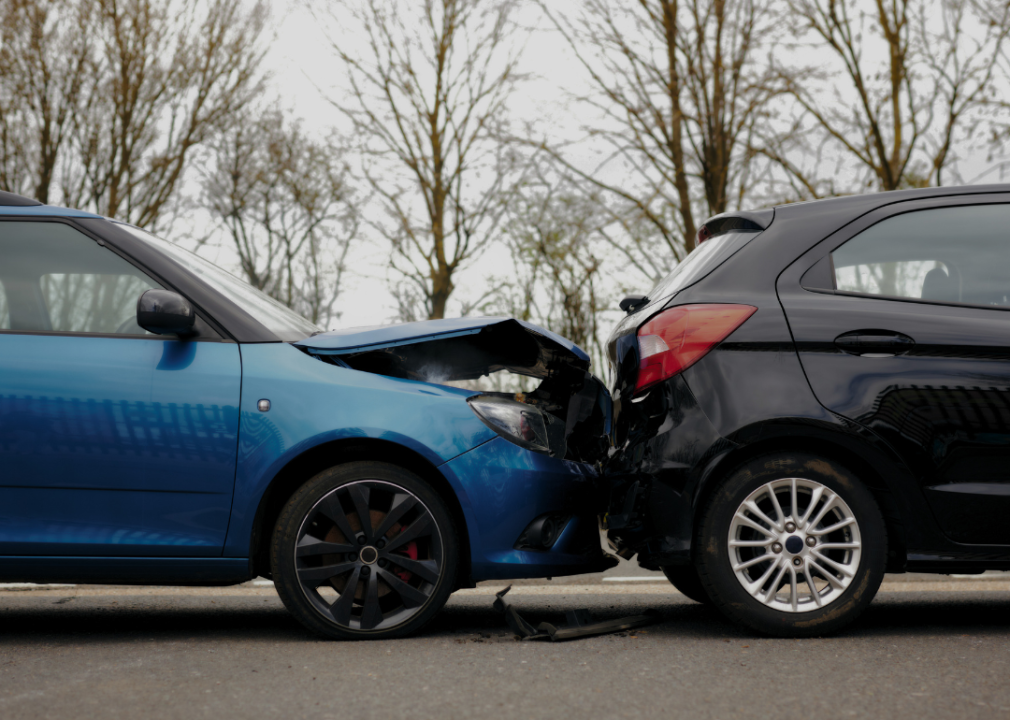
(679, 337)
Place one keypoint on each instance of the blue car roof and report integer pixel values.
(378, 337)
(44, 211)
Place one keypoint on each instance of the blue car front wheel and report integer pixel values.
(364, 550)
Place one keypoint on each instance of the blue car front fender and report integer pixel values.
(313, 403)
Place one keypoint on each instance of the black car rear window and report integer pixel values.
(705, 258)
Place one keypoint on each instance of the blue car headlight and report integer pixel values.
(522, 424)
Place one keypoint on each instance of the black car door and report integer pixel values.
(902, 324)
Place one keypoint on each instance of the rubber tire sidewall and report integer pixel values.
(285, 537)
(713, 559)
(685, 579)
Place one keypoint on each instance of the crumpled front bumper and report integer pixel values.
(503, 488)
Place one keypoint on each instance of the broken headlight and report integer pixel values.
(523, 424)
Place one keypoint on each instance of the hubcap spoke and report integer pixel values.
(325, 572)
(744, 520)
(411, 596)
(330, 507)
(843, 569)
(810, 584)
(416, 529)
(794, 591)
(781, 516)
(312, 546)
(359, 496)
(341, 609)
(815, 497)
(754, 588)
(756, 511)
(751, 543)
(427, 570)
(401, 505)
(753, 561)
(371, 615)
(830, 529)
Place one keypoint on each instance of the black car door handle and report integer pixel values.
(874, 343)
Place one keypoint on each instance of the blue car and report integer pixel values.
(162, 422)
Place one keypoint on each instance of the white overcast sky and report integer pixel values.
(304, 70)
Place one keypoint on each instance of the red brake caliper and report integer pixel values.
(411, 551)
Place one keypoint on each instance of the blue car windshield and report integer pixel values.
(276, 317)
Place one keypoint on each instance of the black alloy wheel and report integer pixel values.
(685, 579)
(364, 550)
(791, 545)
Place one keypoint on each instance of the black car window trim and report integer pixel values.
(854, 227)
(208, 322)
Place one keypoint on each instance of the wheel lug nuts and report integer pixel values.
(777, 547)
(381, 544)
(797, 562)
(382, 562)
(352, 557)
(361, 539)
(366, 571)
(790, 527)
(811, 541)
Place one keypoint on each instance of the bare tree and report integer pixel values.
(679, 87)
(554, 237)
(288, 211)
(46, 68)
(111, 97)
(902, 82)
(427, 99)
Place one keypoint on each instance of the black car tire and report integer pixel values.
(685, 579)
(723, 582)
(393, 594)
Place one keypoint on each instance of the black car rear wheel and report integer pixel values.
(685, 579)
(791, 545)
(364, 550)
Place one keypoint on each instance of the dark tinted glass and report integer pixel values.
(58, 279)
(958, 254)
(705, 258)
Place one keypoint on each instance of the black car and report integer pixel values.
(818, 395)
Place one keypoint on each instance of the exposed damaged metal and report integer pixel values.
(566, 416)
(580, 623)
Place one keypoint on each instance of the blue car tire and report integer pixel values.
(365, 550)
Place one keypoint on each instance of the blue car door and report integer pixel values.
(113, 441)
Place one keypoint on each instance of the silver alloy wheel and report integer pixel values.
(369, 555)
(794, 545)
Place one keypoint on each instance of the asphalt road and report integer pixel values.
(921, 651)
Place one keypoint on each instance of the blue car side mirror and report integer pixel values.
(164, 312)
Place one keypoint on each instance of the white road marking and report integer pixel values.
(636, 579)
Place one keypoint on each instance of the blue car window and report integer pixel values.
(5, 317)
(57, 279)
(276, 317)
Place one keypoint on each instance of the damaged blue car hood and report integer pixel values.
(455, 348)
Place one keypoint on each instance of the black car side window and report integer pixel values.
(944, 255)
(56, 279)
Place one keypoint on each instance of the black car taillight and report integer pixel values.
(677, 338)
(522, 424)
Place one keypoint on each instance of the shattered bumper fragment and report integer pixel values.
(580, 623)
